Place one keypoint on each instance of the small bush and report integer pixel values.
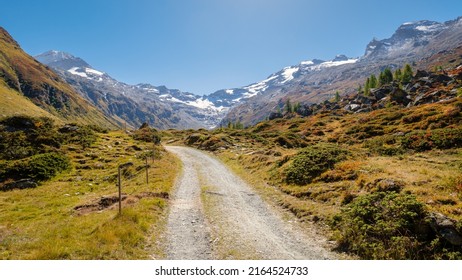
(382, 225)
(384, 146)
(444, 138)
(147, 134)
(310, 162)
(22, 136)
(39, 167)
(45, 166)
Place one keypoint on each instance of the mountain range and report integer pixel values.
(311, 81)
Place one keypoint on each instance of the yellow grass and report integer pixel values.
(42, 223)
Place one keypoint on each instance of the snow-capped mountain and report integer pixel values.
(409, 36)
(134, 104)
(62, 60)
(315, 80)
(232, 97)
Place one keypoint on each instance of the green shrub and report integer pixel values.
(45, 166)
(310, 162)
(365, 131)
(147, 134)
(384, 146)
(22, 136)
(444, 138)
(39, 167)
(382, 225)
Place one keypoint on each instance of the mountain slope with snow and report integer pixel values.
(314, 81)
(134, 104)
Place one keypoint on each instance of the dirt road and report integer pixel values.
(216, 215)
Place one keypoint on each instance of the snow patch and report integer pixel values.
(200, 103)
(229, 91)
(329, 64)
(94, 72)
(429, 28)
(308, 62)
(73, 71)
(288, 74)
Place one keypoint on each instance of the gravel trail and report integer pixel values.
(216, 215)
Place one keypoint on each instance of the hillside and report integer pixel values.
(390, 164)
(34, 88)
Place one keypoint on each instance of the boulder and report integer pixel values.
(362, 99)
(193, 138)
(445, 227)
(69, 128)
(385, 185)
(20, 184)
(400, 96)
(352, 107)
(421, 73)
(275, 115)
(381, 92)
(441, 78)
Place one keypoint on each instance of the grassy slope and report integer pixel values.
(41, 223)
(13, 103)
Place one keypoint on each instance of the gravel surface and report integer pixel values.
(235, 222)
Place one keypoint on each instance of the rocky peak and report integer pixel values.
(407, 38)
(61, 60)
(340, 57)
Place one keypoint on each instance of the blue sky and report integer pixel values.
(204, 45)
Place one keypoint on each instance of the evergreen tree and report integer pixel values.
(407, 74)
(289, 108)
(372, 81)
(398, 75)
(388, 75)
(239, 125)
(385, 77)
(337, 96)
(360, 89)
(297, 107)
(279, 110)
(381, 79)
(367, 87)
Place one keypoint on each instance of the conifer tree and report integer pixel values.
(367, 87)
(385, 77)
(388, 75)
(289, 108)
(372, 81)
(337, 96)
(407, 74)
(296, 107)
(398, 75)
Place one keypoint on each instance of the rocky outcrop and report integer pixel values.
(446, 228)
(20, 184)
(425, 87)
